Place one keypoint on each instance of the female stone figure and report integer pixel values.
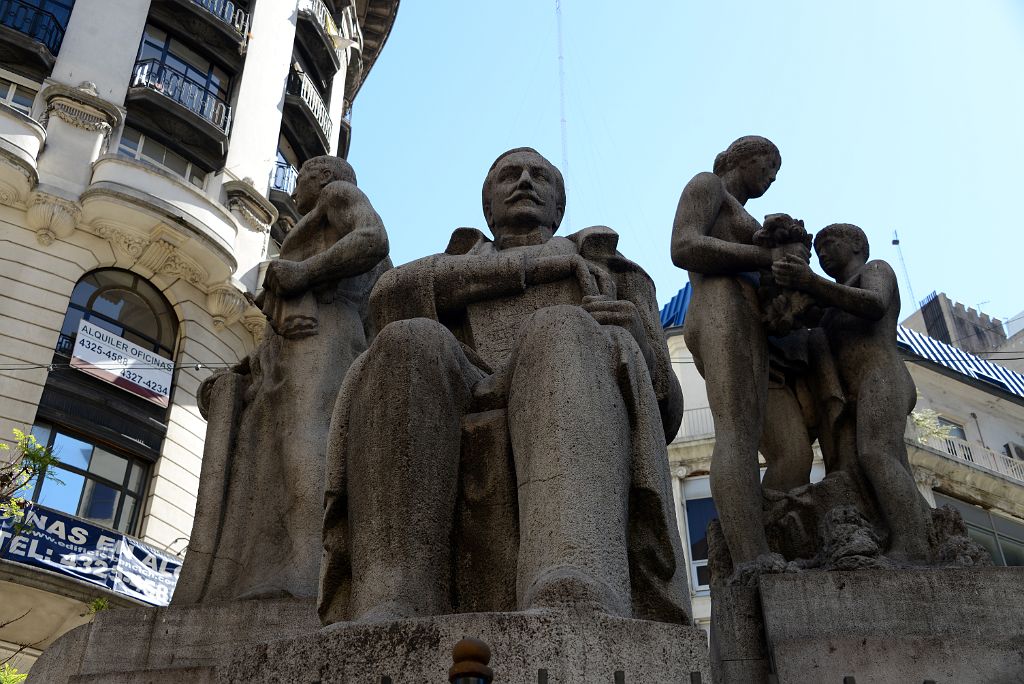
(712, 238)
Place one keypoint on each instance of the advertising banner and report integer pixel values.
(113, 359)
(75, 548)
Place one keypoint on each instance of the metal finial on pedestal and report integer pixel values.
(469, 663)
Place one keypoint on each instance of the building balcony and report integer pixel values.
(282, 185)
(697, 424)
(318, 34)
(306, 117)
(30, 38)
(193, 120)
(973, 454)
(221, 26)
(21, 139)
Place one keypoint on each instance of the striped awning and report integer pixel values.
(960, 361)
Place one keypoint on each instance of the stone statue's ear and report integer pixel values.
(559, 215)
(487, 213)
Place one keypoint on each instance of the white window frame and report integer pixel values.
(137, 154)
(19, 82)
(698, 487)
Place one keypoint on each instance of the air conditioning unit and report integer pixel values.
(1014, 450)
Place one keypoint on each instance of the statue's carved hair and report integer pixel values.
(559, 181)
(742, 149)
(845, 231)
(339, 168)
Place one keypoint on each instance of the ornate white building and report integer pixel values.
(148, 150)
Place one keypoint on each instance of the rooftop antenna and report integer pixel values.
(561, 102)
(903, 263)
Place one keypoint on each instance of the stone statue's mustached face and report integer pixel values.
(524, 193)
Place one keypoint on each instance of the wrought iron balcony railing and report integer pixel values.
(34, 22)
(228, 13)
(283, 177)
(192, 95)
(301, 85)
(325, 20)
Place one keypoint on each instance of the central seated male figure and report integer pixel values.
(501, 445)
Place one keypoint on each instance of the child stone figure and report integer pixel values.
(864, 304)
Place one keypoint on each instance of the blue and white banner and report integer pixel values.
(75, 548)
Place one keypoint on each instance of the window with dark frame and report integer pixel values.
(91, 481)
(699, 512)
(125, 304)
(158, 45)
(1002, 537)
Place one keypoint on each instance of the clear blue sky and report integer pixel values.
(895, 115)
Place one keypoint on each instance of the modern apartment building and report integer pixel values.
(973, 462)
(148, 150)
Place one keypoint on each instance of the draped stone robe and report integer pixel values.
(508, 454)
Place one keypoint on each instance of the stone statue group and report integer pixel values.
(485, 429)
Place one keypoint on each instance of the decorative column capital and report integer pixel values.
(52, 217)
(225, 303)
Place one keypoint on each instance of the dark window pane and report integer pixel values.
(135, 479)
(23, 97)
(108, 466)
(71, 321)
(41, 431)
(1008, 527)
(99, 503)
(703, 575)
(63, 495)
(1013, 551)
(699, 512)
(124, 523)
(71, 451)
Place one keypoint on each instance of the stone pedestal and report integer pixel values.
(546, 647)
(282, 641)
(173, 644)
(941, 624)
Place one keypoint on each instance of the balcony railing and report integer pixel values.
(972, 453)
(228, 13)
(301, 85)
(283, 177)
(33, 21)
(697, 424)
(192, 95)
(323, 17)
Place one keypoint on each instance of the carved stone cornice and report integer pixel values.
(52, 217)
(82, 108)
(225, 303)
(255, 322)
(253, 210)
(155, 253)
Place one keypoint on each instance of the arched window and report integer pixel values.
(125, 304)
(104, 437)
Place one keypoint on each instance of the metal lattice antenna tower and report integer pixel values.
(903, 263)
(561, 101)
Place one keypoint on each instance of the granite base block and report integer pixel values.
(552, 647)
(184, 644)
(947, 625)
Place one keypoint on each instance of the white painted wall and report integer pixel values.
(100, 45)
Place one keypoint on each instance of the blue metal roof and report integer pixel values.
(960, 361)
(674, 313)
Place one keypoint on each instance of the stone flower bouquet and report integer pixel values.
(782, 309)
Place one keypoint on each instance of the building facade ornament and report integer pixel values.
(52, 217)
(155, 253)
(129, 245)
(255, 322)
(253, 210)
(82, 108)
(225, 303)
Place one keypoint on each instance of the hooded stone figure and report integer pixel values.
(257, 527)
(501, 444)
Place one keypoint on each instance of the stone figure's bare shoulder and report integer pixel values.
(879, 269)
(705, 186)
(341, 194)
